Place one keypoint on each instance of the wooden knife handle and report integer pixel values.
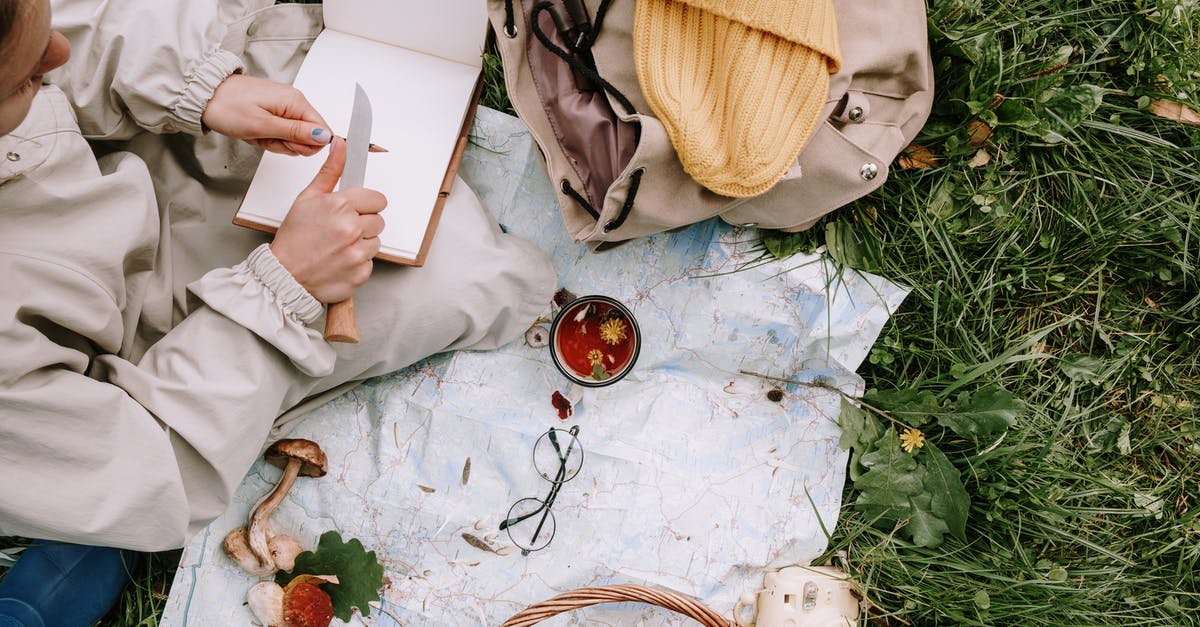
(339, 322)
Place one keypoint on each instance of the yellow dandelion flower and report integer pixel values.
(911, 439)
(595, 357)
(612, 331)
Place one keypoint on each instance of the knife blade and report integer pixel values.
(358, 140)
(340, 325)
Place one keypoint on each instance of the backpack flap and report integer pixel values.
(877, 104)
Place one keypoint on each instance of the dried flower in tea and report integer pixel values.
(613, 330)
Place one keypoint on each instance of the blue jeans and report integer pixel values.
(64, 585)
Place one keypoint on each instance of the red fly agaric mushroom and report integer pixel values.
(296, 457)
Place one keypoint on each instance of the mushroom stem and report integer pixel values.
(259, 529)
(237, 547)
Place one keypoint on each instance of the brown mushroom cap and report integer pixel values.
(306, 605)
(310, 456)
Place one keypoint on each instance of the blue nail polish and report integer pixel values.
(317, 132)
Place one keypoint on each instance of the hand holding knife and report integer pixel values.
(340, 325)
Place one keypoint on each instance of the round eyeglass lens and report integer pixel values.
(531, 525)
(557, 456)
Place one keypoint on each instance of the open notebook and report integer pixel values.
(419, 63)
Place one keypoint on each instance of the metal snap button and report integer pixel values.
(855, 114)
(869, 171)
(12, 156)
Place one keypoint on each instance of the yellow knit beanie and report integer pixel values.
(738, 84)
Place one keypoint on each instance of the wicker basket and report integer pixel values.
(585, 597)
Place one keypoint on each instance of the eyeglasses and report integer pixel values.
(557, 457)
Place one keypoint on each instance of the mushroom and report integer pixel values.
(266, 602)
(306, 605)
(237, 547)
(295, 457)
(283, 550)
(302, 603)
(537, 336)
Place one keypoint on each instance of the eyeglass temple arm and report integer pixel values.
(557, 483)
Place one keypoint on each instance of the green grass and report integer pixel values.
(1068, 274)
(1064, 271)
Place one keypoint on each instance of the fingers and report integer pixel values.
(293, 121)
(364, 200)
(317, 129)
(303, 150)
(300, 136)
(327, 177)
(286, 148)
(266, 113)
(371, 247)
(365, 251)
(362, 272)
(372, 225)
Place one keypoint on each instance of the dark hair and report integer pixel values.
(8, 17)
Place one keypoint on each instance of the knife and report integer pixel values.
(339, 319)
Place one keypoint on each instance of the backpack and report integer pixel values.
(616, 174)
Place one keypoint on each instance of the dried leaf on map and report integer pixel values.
(478, 543)
(359, 573)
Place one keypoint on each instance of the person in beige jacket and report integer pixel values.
(150, 348)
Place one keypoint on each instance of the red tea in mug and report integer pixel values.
(595, 340)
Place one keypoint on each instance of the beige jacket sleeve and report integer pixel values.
(145, 65)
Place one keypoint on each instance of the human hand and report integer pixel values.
(328, 238)
(266, 114)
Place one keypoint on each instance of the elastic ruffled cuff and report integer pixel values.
(291, 296)
(217, 66)
(261, 295)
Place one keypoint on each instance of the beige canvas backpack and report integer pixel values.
(616, 173)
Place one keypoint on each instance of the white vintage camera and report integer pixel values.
(806, 596)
